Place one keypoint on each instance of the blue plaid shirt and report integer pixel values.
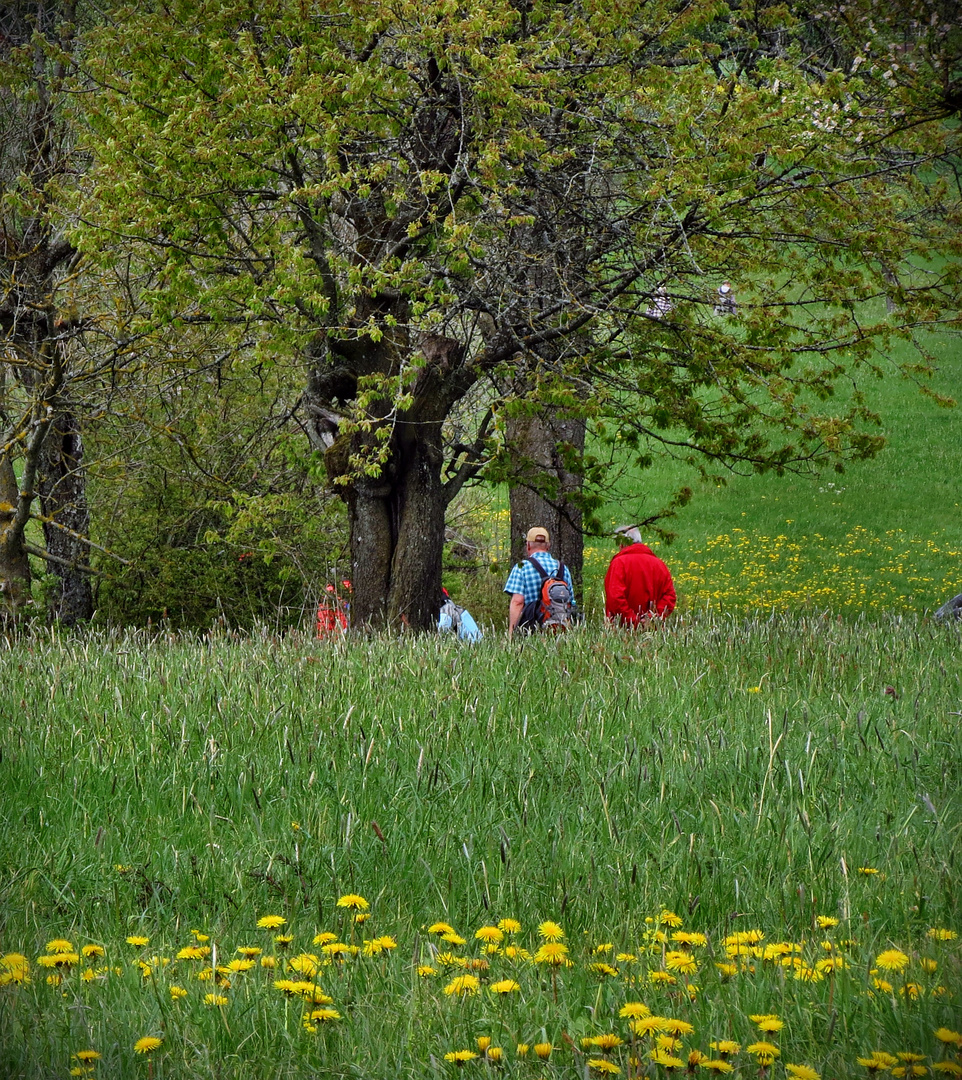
(526, 580)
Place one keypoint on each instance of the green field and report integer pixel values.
(790, 788)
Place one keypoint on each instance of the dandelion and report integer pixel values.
(681, 961)
(689, 938)
(607, 1042)
(177, 992)
(801, 1072)
(138, 940)
(61, 945)
(768, 1023)
(669, 918)
(667, 1060)
(59, 960)
(463, 984)
(543, 1050)
(283, 940)
(605, 1068)
(193, 952)
(937, 933)
(147, 1045)
(484, 1041)
(765, 1052)
(867, 871)
(892, 960)
(946, 1035)
(504, 986)
(605, 970)
(270, 922)
(550, 931)
(522, 1049)
(949, 1068)
(453, 939)
(725, 1047)
(825, 922)
(490, 935)
(460, 1057)
(200, 937)
(634, 1010)
(716, 1065)
(353, 902)
(249, 951)
(552, 952)
(424, 970)
(85, 1057)
(727, 971)
(509, 926)
(678, 1027)
(440, 928)
(323, 1016)
(495, 1054)
(661, 978)
(648, 1025)
(215, 999)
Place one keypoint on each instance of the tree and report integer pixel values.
(435, 206)
(41, 445)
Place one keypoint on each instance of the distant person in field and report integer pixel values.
(726, 300)
(638, 585)
(660, 304)
(525, 581)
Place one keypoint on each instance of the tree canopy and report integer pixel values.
(445, 213)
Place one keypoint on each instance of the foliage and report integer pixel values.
(429, 206)
(205, 783)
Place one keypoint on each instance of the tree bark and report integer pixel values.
(545, 492)
(63, 501)
(14, 562)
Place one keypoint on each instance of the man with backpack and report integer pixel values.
(542, 595)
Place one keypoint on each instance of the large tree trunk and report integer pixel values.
(14, 563)
(63, 500)
(545, 491)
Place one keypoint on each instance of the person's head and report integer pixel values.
(628, 534)
(538, 539)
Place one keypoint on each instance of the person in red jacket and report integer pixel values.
(638, 585)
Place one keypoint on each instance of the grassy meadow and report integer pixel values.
(727, 847)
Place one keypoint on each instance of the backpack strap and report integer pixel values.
(537, 565)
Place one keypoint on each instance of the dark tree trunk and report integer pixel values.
(63, 500)
(545, 491)
(14, 563)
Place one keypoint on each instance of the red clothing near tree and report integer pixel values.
(638, 585)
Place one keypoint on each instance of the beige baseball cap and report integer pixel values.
(538, 535)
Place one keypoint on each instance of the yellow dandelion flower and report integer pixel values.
(147, 1045)
(605, 1068)
(867, 871)
(453, 939)
(522, 1049)
(324, 938)
(948, 1068)
(543, 1050)
(440, 928)
(504, 986)
(463, 984)
(689, 938)
(661, 978)
(669, 918)
(177, 992)
(193, 952)
(937, 933)
(353, 901)
(550, 931)
(681, 961)
(678, 1027)
(946, 1035)
(283, 940)
(552, 952)
(271, 922)
(490, 935)
(801, 1072)
(61, 945)
(460, 1057)
(825, 922)
(725, 1047)
(87, 1056)
(200, 937)
(509, 926)
(716, 1065)
(634, 1010)
(138, 940)
(495, 1054)
(648, 1025)
(215, 999)
(727, 971)
(249, 951)
(766, 1052)
(767, 1022)
(323, 1016)
(892, 960)
(424, 970)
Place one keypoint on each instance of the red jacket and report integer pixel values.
(638, 585)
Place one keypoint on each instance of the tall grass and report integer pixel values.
(736, 772)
